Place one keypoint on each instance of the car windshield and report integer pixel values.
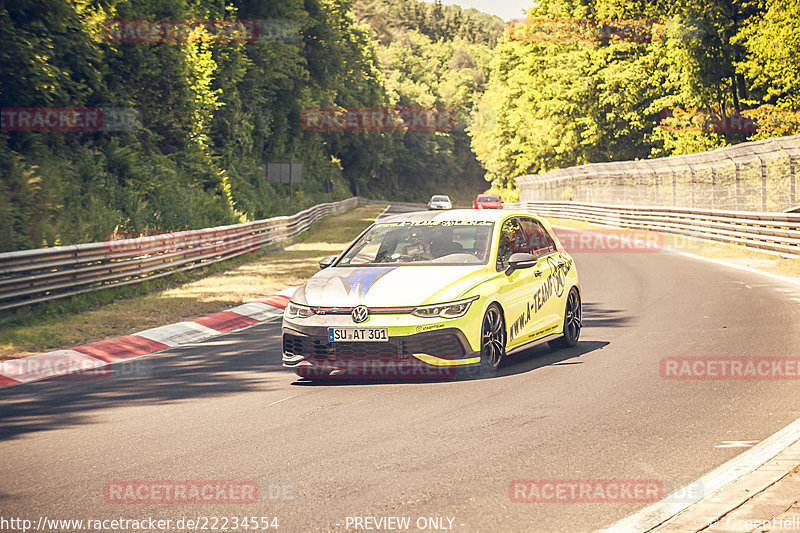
(444, 242)
(488, 199)
(440, 199)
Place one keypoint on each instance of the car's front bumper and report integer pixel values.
(435, 354)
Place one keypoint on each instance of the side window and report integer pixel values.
(539, 240)
(512, 240)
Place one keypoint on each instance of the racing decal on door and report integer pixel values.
(554, 284)
(542, 331)
(559, 267)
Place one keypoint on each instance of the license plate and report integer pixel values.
(358, 334)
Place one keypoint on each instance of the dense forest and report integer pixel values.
(554, 103)
(212, 113)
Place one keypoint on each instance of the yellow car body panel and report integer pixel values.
(533, 299)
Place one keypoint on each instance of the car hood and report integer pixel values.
(387, 286)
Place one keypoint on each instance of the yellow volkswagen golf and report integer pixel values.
(423, 295)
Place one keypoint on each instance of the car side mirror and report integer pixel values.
(520, 260)
(325, 262)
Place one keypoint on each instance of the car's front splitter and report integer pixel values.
(437, 354)
(378, 368)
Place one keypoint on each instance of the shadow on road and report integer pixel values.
(543, 355)
(525, 361)
(595, 316)
(243, 361)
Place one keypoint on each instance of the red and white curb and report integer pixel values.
(102, 353)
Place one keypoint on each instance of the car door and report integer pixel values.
(547, 299)
(518, 287)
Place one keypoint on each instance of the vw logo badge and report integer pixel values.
(360, 314)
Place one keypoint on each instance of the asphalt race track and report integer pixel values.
(226, 410)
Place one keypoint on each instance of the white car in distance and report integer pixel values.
(440, 201)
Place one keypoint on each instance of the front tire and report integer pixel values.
(572, 322)
(493, 338)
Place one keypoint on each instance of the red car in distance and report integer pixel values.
(487, 201)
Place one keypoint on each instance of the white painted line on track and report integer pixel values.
(722, 262)
(279, 401)
(382, 213)
(716, 480)
(737, 444)
(743, 464)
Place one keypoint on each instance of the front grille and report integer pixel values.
(440, 344)
(436, 343)
(321, 347)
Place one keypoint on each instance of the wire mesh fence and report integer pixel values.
(753, 176)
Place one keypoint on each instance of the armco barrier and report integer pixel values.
(773, 232)
(33, 276)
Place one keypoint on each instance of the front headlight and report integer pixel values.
(448, 310)
(294, 310)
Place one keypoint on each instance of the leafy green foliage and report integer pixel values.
(215, 113)
(558, 103)
(431, 56)
(772, 42)
(392, 19)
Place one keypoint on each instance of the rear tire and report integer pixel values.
(493, 339)
(572, 322)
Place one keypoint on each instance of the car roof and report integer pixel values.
(492, 215)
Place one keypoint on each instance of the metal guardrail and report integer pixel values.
(33, 276)
(773, 232)
(751, 176)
